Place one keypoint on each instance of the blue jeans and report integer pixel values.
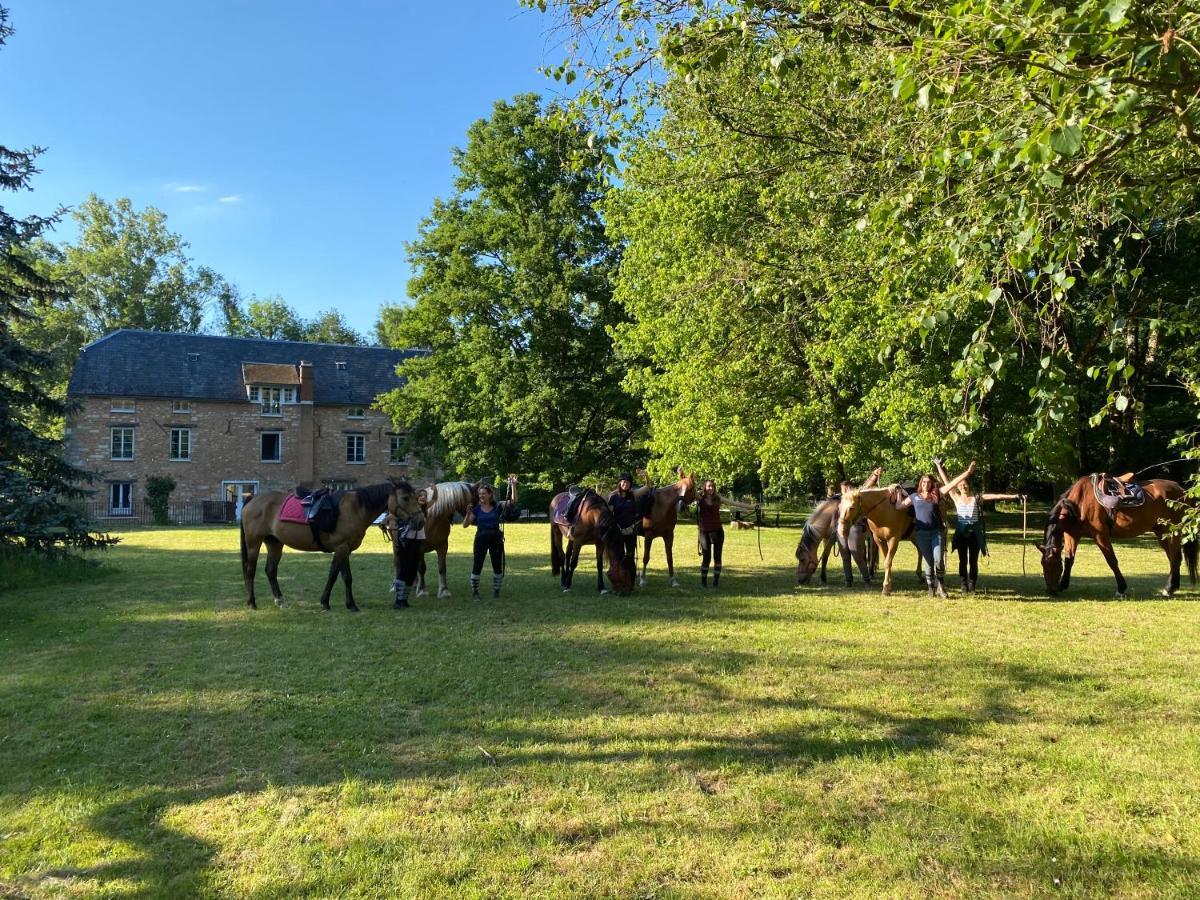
(930, 545)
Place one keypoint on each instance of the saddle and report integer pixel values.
(1120, 492)
(316, 509)
(566, 510)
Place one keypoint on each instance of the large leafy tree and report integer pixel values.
(274, 319)
(36, 486)
(512, 297)
(983, 208)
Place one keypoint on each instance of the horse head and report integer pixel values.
(1051, 547)
(607, 530)
(849, 512)
(806, 555)
(687, 486)
(403, 502)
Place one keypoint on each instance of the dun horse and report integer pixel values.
(596, 525)
(818, 539)
(357, 509)
(662, 517)
(889, 526)
(1080, 514)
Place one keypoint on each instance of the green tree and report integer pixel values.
(331, 327)
(37, 488)
(512, 297)
(272, 318)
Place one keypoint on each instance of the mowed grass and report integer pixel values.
(157, 738)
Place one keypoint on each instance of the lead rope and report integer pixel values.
(1024, 530)
(759, 518)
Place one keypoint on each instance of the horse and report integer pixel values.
(441, 502)
(594, 524)
(660, 520)
(357, 509)
(818, 539)
(1078, 514)
(889, 526)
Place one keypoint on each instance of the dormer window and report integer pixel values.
(340, 365)
(123, 404)
(253, 392)
(356, 412)
(181, 406)
(270, 400)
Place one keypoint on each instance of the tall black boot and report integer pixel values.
(929, 583)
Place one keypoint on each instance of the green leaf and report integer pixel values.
(1121, 403)
(1053, 179)
(1115, 11)
(1067, 140)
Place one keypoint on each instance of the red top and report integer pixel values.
(710, 514)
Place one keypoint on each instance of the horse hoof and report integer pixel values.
(280, 602)
(641, 582)
(442, 595)
(351, 609)
(603, 591)
(1167, 592)
(674, 583)
(424, 593)
(566, 590)
(1122, 595)
(252, 604)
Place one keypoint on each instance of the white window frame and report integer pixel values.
(340, 365)
(289, 396)
(252, 393)
(112, 449)
(270, 401)
(181, 406)
(278, 445)
(181, 451)
(118, 404)
(396, 442)
(356, 412)
(123, 487)
(359, 440)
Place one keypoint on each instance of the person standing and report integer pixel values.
(488, 518)
(926, 504)
(970, 535)
(408, 541)
(712, 533)
(627, 505)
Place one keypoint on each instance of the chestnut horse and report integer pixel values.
(441, 501)
(1079, 514)
(661, 518)
(595, 524)
(357, 509)
(889, 526)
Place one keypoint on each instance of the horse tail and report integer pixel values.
(556, 550)
(1190, 551)
(245, 553)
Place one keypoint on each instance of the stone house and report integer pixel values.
(226, 417)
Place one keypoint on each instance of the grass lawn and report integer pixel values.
(159, 739)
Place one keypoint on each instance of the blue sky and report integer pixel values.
(296, 145)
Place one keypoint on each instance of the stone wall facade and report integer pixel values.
(224, 448)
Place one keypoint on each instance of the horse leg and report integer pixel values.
(646, 542)
(1172, 545)
(250, 568)
(1110, 557)
(600, 570)
(565, 578)
(669, 546)
(348, 581)
(828, 548)
(572, 562)
(889, 555)
(1070, 545)
(443, 583)
(335, 569)
(274, 553)
(421, 591)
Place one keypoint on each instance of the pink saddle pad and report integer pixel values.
(292, 510)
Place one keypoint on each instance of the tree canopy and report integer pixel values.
(512, 298)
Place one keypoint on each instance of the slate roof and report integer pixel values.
(129, 363)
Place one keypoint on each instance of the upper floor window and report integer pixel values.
(181, 406)
(396, 454)
(356, 412)
(123, 404)
(270, 399)
(270, 446)
(122, 443)
(289, 395)
(340, 365)
(181, 444)
(356, 448)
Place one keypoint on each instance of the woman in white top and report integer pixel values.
(970, 538)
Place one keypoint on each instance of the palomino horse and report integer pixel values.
(889, 526)
(661, 518)
(441, 501)
(357, 509)
(818, 539)
(595, 524)
(1079, 514)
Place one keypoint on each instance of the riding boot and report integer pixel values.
(966, 585)
(716, 576)
(704, 576)
(941, 587)
(474, 587)
(497, 578)
(929, 583)
(400, 588)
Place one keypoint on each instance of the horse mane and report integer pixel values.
(374, 496)
(451, 497)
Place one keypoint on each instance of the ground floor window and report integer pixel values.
(181, 443)
(120, 498)
(122, 443)
(356, 448)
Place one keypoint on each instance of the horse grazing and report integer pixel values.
(1079, 514)
(818, 539)
(660, 520)
(889, 526)
(594, 524)
(356, 510)
(441, 501)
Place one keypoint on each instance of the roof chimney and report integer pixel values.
(306, 382)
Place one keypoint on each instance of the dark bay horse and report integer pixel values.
(1078, 514)
(818, 539)
(357, 509)
(661, 518)
(595, 525)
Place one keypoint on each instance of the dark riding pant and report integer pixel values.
(407, 558)
(711, 543)
(488, 543)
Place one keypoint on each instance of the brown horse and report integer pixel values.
(357, 509)
(889, 526)
(660, 520)
(1079, 514)
(595, 525)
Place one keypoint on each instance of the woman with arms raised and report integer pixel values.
(487, 516)
(970, 537)
(926, 504)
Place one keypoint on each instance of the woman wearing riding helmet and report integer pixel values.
(712, 533)
(487, 516)
(627, 506)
